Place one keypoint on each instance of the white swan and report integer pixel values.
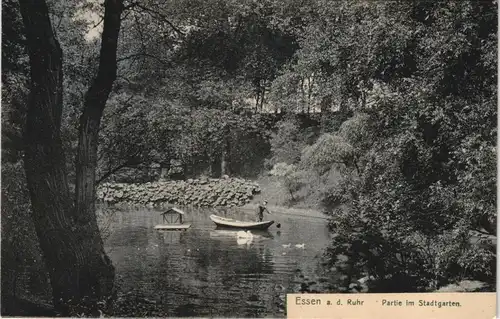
(243, 234)
(244, 241)
(286, 246)
(300, 245)
(243, 237)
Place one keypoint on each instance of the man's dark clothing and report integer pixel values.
(260, 212)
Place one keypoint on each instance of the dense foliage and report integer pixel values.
(417, 158)
(397, 135)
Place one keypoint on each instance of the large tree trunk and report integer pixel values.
(225, 156)
(223, 164)
(86, 159)
(95, 101)
(81, 274)
(325, 108)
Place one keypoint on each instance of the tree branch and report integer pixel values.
(127, 13)
(114, 170)
(131, 5)
(162, 16)
(97, 23)
(141, 35)
(135, 55)
(124, 78)
(357, 167)
(126, 103)
(61, 18)
(132, 160)
(482, 232)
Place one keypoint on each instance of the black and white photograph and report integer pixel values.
(208, 158)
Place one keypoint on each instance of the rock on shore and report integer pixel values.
(210, 192)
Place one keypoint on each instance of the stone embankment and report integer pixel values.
(230, 192)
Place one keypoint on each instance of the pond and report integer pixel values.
(205, 271)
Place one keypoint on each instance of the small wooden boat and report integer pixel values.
(233, 223)
(172, 223)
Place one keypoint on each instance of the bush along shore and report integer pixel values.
(207, 192)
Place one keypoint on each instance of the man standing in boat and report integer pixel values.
(260, 210)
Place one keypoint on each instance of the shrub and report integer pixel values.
(287, 143)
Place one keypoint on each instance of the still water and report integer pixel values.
(204, 271)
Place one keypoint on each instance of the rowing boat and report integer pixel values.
(233, 223)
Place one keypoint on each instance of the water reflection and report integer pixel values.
(205, 271)
(171, 237)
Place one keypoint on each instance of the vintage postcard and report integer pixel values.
(249, 159)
